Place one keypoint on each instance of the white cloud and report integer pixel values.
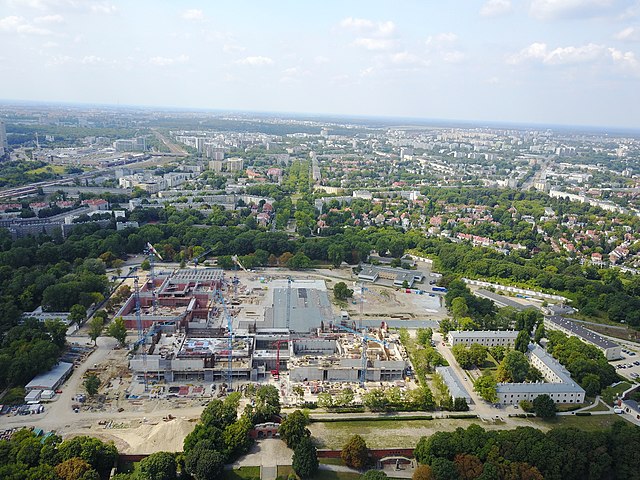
(573, 55)
(629, 34)
(540, 52)
(443, 46)
(320, 60)
(168, 61)
(255, 61)
(374, 43)
(47, 19)
(441, 39)
(366, 72)
(357, 23)
(293, 74)
(49, 45)
(59, 60)
(453, 56)
(232, 47)
(407, 58)
(626, 60)
(92, 6)
(375, 36)
(19, 25)
(193, 15)
(571, 9)
(103, 8)
(494, 8)
(92, 60)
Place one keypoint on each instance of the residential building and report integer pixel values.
(487, 338)
(456, 388)
(611, 350)
(4, 146)
(216, 165)
(137, 144)
(235, 165)
(559, 385)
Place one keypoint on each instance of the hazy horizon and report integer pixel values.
(570, 63)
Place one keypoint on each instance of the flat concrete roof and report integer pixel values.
(309, 307)
(49, 380)
(502, 300)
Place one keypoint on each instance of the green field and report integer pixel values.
(599, 407)
(407, 433)
(242, 473)
(57, 169)
(589, 423)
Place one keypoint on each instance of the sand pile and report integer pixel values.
(162, 437)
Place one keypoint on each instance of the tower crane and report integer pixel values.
(236, 260)
(230, 341)
(142, 338)
(365, 340)
(288, 322)
(152, 253)
(202, 255)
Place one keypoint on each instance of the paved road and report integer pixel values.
(479, 407)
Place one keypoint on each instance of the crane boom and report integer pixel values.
(365, 339)
(230, 341)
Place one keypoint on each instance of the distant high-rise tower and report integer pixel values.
(4, 146)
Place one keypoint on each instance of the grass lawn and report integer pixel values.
(327, 475)
(241, 473)
(399, 433)
(407, 433)
(599, 407)
(621, 387)
(609, 393)
(588, 423)
(57, 169)
(331, 461)
(285, 470)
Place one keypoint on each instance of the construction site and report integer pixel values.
(197, 325)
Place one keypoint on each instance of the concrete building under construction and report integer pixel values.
(172, 300)
(285, 325)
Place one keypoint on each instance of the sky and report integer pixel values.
(561, 62)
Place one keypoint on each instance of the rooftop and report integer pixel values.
(48, 380)
(484, 333)
(550, 362)
(502, 300)
(539, 387)
(310, 306)
(581, 332)
(456, 389)
(198, 274)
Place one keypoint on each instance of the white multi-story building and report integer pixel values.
(611, 350)
(137, 144)
(234, 165)
(559, 385)
(488, 338)
(4, 146)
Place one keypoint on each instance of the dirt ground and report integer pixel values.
(137, 437)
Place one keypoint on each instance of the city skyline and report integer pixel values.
(527, 62)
